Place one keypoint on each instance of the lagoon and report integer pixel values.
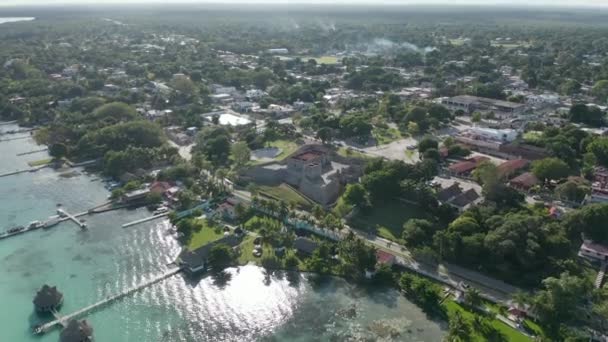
(246, 305)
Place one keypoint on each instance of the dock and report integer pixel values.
(63, 320)
(64, 214)
(126, 225)
(16, 172)
(32, 152)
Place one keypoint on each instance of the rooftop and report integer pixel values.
(77, 331)
(308, 155)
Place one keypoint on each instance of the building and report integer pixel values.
(384, 258)
(502, 135)
(509, 168)
(469, 104)
(242, 106)
(48, 299)
(159, 187)
(524, 182)
(305, 246)
(135, 195)
(310, 171)
(278, 51)
(593, 251)
(465, 167)
(227, 209)
(194, 262)
(455, 197)
(77, 331)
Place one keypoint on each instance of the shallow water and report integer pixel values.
(86, 266)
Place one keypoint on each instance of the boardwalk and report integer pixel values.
(63, 320)
(126, 225)
(65, 214)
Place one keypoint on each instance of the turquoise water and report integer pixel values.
(88, 265)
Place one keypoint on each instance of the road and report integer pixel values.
(491, 288)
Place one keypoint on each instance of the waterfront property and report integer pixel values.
(195, 261)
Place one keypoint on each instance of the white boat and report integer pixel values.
(52, 222)
(35, 225)
(160, 210)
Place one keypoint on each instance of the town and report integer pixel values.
(467, 168)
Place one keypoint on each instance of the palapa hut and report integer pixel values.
(48, 299)
(77, 331)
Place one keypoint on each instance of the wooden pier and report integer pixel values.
(126, 225)
(64, 214)
(63, 320)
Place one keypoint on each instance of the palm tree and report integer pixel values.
(472, 297)
(459, 329)
(283, 209)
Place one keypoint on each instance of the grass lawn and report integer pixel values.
(323, 59)
(285, 193)
(532, 136)
(387, 219)
(39, 162)
(287, 147)
(350, 153)
(247, 257)
(511, 334)
(386, 135)
(204, 236)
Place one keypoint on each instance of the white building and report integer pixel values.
(278, 51)
(504, 135)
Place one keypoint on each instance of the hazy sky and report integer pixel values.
(571, 3)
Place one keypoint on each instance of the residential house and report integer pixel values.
(195, 262)
(464, 168)
(227, 209)
(455, 197)
(524, 182)
(593, 251)
(384, 258)
(305, 246)
(509, 168)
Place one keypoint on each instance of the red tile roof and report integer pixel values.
(511, 166)
(526, 180)
(383, 257)
(308, 155)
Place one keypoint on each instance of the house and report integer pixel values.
(593, 251)
(384, 258)
(242, 106)
(159, 187)
(455, 197)
(135, 195)
(511, 167)
(194, 262)
(227, 209)
(305, 246)
(465, 167)
(524, 182)
(465, 200)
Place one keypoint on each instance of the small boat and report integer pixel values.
(52, 222)
(160, 210)
(35, 225)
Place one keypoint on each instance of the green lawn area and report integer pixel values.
(388, 219)
(532, 136)
(350, 153)
(40, 162)
(205, 235)
(511, 334)
(247, 257)
(285, 193)
(287, 147)
(323, 59)
(385, 136)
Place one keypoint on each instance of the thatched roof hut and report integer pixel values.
(48, 299)
(77, 331)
